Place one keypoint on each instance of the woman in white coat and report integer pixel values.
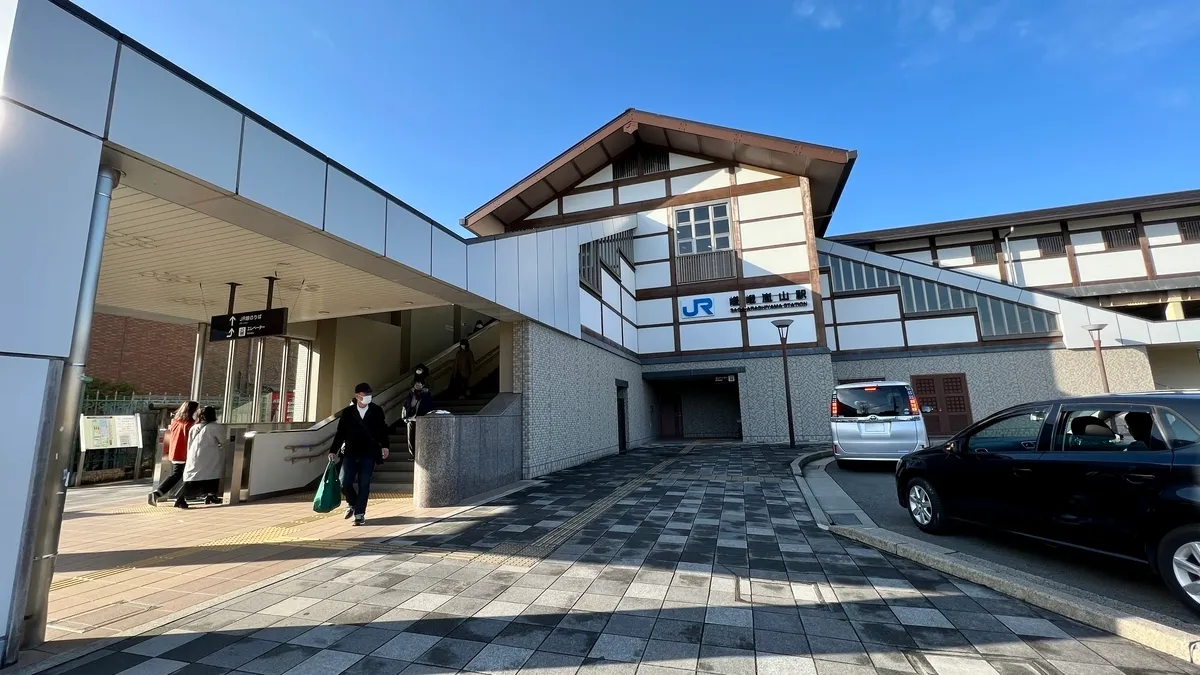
(205, 459)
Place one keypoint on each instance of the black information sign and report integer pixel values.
(263, 323)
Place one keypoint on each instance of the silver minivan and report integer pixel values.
(875, 421)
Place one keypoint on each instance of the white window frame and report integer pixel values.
(712, 235)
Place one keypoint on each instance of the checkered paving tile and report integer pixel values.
(705, 561)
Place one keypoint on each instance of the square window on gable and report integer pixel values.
(701, 229)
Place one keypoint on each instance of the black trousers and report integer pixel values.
(170, 481)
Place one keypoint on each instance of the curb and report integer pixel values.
(1158, 632)
(798, 464)
(807, 458)
(104, 643)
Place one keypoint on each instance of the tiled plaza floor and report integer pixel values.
(651, 563)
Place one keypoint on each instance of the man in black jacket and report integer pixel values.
(361, 442)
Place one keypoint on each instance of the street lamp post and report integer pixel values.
(782, 325)
(1094, 329)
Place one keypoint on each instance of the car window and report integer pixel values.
(1015, 433)
(1109, 430)
(884, 401)
(1182, 433)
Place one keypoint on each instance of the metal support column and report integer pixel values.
(227, 400)
(44, 519)
(198, 362)
(281, 413)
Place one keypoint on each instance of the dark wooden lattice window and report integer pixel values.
(1120, 237)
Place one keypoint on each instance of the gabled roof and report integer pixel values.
(826, 168)
(1112, 207)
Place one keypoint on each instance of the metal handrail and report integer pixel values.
(389, 398)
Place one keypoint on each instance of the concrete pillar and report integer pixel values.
(506, 357)
(1175, 306)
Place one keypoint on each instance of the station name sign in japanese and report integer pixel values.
(768, 300)
(263, 323)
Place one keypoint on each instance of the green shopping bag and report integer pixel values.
(329, 493)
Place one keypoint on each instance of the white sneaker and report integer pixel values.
(349, 512)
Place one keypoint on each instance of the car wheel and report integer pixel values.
(925, 506)
(1179, 564)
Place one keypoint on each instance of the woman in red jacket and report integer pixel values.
(175, 447)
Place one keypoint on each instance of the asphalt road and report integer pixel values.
(873, 488)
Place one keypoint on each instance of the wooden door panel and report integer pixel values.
(947, 395)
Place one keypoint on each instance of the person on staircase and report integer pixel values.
(464, 367)
(361, 443)
(417, 404)
(175, 449)
(205, 459)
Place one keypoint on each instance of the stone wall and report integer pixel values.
(999, 379)
(569, 396)
(760, 388)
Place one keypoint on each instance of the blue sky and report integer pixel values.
(957, 108)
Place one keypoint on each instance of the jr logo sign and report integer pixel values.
(699, 305)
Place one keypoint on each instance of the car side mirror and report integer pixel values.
(954, 447)
(926, 408)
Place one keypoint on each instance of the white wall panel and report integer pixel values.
(629, 307)
(281, 175)
(656, 340)
(628, 276)
(610, 289)
(988, 271)
(1023, 249)
(613, 325)
(870, 336)
(604, 175)
(508, 272)
(652, 222)
(762, 333)
(545, 244)
(22, 402)
(597, 199)
(1033, 230)
(640, 192)
(745, 175)
(157, 114)
(1171, 214)
(1087, 242)
(676, 162)
(827, 310)
(1133, 330)
(650, 312)
(561, 309)
(410, 239)
(1160, 234)
(47, 184)
(769, 204)
(1115, 265)
(546, 211)
(481, 269)
(1176, 259)
(941, 331)
(768, 261)
(651, 248)
(355, 212)
(630, 336)
(590, 315)
(773, 232)
(1043, 272)
(699, 182)
(572, 234)
(867, 308)
(925, 257)
(59, 65)
(831, 338)
(528, 274)
(654, 275)
(449, 259)
(710, 335)
(955, 256)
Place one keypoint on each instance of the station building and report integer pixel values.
(627, 289)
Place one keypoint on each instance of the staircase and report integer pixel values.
(396, 474)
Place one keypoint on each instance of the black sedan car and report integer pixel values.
(1116, 474)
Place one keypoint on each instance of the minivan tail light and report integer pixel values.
(833, 406)
(913, 407)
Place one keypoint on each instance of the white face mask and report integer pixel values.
(366, 400)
